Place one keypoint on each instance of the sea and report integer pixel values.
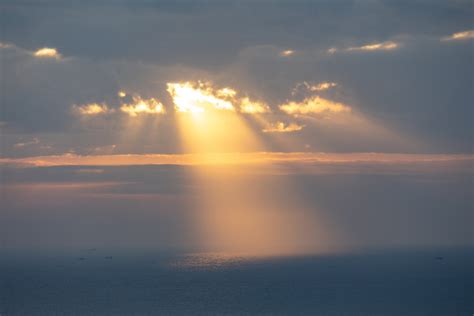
(142, 282)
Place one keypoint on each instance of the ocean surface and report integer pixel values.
(99, 282)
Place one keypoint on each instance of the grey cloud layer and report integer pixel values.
(423, 88)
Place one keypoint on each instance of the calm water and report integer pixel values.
(96, 282)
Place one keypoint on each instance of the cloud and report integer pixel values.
(92, 109)
(89, 171)
(280, 127)
(47, 52)
(5, 45)
(253, 107)
(103, 150)
(465, 35)
(39, 91)
(383, 46)
(322, 86)
(287, 53)
(198, 96)
(315, 104)
(136, 106)
(308, 159)
(145, 106)
(24, 144)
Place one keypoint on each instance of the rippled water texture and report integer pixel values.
(96, 282)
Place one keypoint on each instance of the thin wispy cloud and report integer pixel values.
(287, 53)
(92, 109)
(370, 47)
(384, 46)
(312, 87)
(459, 36)
(5, 45)
(281, 127)
(314, 105)
(297, 158)
(34, 141)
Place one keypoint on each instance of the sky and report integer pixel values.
(283, 126)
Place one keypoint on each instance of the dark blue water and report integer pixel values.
(96, 282)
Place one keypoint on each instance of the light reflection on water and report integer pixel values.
(213, 260)
(409, 283)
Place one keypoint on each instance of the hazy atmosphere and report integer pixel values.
(312, 130)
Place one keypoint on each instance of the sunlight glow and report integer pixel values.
(47, 52)
(5, 45)
(322, 86)
(145, 106)
(252, 107)
(287, 53)
(460, 36)
(92, 109)
(198, 96)
(314, 104)
(299, 159)
(280, 127)
(375, 46)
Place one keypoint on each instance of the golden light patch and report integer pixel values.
(287, 53)
(323, 86)
(143, 106)
(226, 93)
(253, 107)
(460, 36)
(5, 45)
(92, 109)
(280, 127)
(196, 97)
(236, 158)
(122, 94)
(47, 52)
(314, 104)
(375, 46)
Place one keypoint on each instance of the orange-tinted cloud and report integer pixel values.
(280, 127)
(459, 36)
(383, 46)
(300, 158)
(314, 104)
(287, 53)
(47, 52)
(142, 106)
(92, 109)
